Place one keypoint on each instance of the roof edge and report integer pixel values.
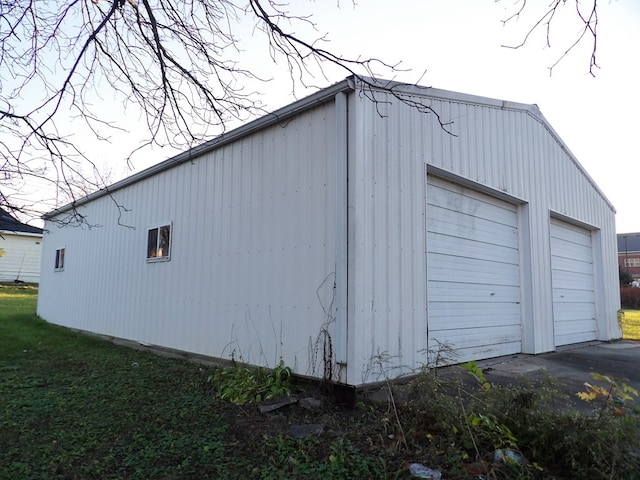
(531, 109)
(318, 98)
(535, 112)
(23, 234)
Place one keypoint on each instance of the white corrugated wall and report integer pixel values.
(251, 274)
(252, 268)
(499, 146)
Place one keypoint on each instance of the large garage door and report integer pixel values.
(574, 312)
(473, 272)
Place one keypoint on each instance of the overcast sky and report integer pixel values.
(459, 45)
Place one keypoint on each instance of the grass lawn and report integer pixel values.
(631, 324)
(73, 406)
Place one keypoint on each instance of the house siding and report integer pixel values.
(21, 260)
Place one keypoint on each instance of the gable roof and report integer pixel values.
(9, 224)
(367, 86)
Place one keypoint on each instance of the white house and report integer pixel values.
(22, 248)
(347, 229)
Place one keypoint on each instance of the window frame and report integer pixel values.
(158, 238)
(58, 265)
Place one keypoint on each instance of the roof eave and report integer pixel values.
(25, 234)
(282, 114)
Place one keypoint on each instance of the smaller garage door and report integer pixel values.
(574, 313)
(473, 272)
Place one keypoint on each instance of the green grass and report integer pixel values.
(631, 325)
(73, 406)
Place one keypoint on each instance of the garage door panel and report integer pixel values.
(482, 310)
(565, 249)
(467, 226)
(574, 332)
(443, 268)
(566, 232)
(471, 203)
(573, 311)
(575, 327)
(573, 284)
(473, 271)
(483, 320)
(481, 342)
(466, 293)
(578, 280)
(575, 295)
(572, 265)
(568, 339)
(468, 248)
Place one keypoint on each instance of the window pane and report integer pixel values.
(165, 233)
(59, 265)
(152, 243)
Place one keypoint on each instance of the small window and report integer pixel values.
(59, 259)
(159, 243)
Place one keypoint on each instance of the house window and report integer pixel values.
(159, 243)
(632, 262)
(59, 259)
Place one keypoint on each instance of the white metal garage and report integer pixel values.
(574, 311)
(473, 271)
(312, 236)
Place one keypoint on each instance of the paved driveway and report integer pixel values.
(572, 365)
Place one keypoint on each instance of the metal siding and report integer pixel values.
(388, 274)
(504, 148)
(240, 297)
(252, 257)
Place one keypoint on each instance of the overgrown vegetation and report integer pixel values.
(76, 407)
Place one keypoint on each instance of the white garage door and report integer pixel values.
(473, 272)
(574, 312)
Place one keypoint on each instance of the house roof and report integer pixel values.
(628, 242)
(368, 87)
(9, 224)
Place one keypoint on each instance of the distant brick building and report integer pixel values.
(629, 253)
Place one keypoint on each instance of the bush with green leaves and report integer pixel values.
(600, 441)
(241, 384)
(460, 426)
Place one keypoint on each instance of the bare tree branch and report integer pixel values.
(174, 66)
(172, 62)
(586, 12)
